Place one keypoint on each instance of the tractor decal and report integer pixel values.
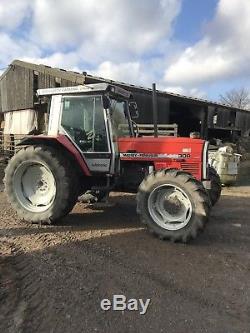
(155, 156)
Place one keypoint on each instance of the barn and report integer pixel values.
(19, 83)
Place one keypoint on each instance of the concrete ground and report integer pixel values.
(53, 278)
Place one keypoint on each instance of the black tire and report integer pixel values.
(74, 187)
(54, 161)
(215, 191)
(195, 193)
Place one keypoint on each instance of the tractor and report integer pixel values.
(92, 144)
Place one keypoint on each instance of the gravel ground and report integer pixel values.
(52, 278)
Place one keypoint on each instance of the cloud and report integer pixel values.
(13, 13)
(58, 59)
(111, 29)
(193, 92)
(114, 38)
(121, 71)
(129, 72)
(16, 49)
(222, 53)
(130, 41)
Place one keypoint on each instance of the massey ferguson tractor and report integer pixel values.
(92, 144)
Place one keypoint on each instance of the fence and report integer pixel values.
(8, 144)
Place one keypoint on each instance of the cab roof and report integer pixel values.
(87, 88)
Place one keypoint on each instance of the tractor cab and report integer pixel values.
(93, 117)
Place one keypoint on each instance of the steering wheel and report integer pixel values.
(90, 135)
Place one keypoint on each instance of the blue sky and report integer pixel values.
(193, 17)
(190, 47)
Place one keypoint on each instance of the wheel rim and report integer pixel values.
(35, 186)
(170, 207)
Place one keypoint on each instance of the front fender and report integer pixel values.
(59, 142)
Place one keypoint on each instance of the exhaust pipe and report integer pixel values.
(155, 111)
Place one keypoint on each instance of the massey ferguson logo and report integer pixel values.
(155, 156)
(99, 164)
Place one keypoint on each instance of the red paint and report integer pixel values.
(149, 145)
(166, 145)
(67, 144)
(72, 149)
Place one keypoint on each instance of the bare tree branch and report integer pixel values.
(238, 98)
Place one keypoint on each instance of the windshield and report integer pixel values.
(120, 123)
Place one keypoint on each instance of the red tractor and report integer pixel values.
(92, 144)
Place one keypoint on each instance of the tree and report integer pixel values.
(238, 98)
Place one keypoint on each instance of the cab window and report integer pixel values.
(83, 120)
(119, 119)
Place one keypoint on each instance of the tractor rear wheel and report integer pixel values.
(215, 191)
(173, 205)
(38, 184)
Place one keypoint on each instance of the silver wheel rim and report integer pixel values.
(170, 207)
(35, 186)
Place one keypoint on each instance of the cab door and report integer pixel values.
(84, 121)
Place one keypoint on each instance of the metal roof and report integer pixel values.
(167, 93)
(80, 78)
(56, 72)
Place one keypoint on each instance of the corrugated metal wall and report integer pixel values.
(243, 122)
(19, 84)
(17, 89)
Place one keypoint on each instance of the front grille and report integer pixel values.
(192, 168)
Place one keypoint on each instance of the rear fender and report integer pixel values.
(60, 142)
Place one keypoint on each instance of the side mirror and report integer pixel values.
(106, 102)
(133, 110)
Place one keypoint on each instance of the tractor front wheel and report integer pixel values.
(173, 205)
(38, 184)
